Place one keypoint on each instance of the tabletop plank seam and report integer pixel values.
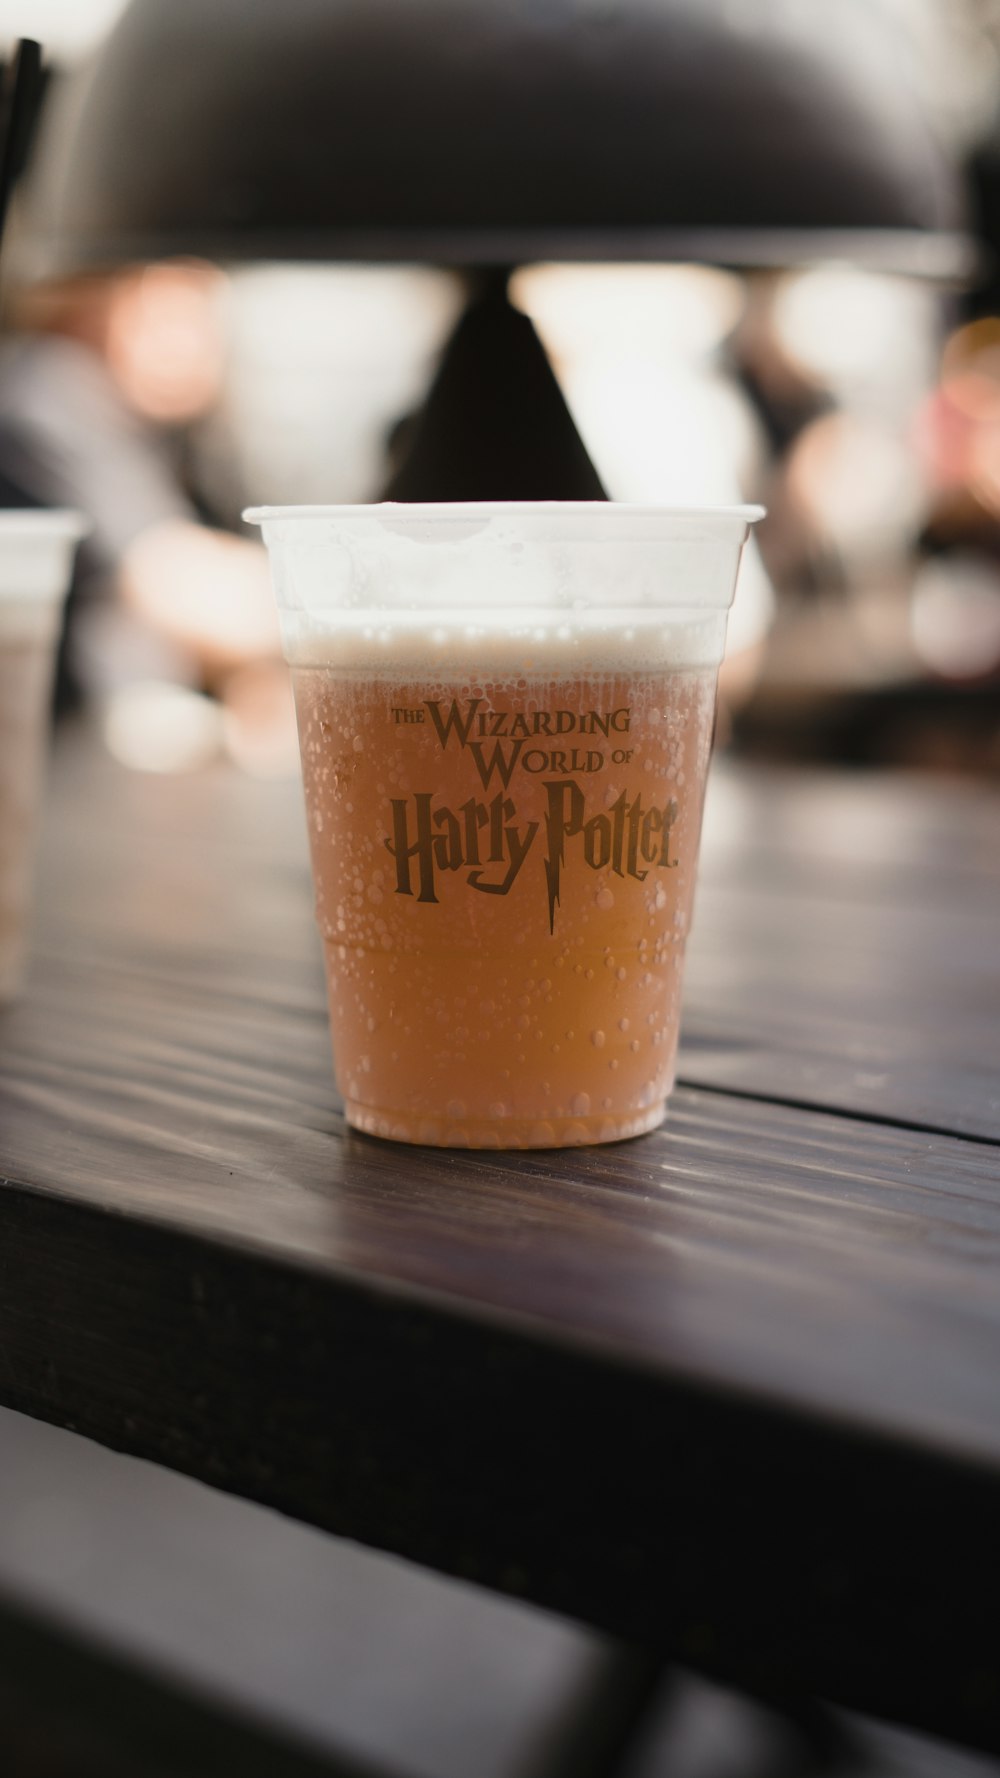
(796, 1102)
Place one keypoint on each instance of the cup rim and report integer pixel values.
(41, 521)
(410, 512)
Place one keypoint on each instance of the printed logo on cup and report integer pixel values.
(483, 836)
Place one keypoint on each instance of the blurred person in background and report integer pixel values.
(103, 380)
(881, 534)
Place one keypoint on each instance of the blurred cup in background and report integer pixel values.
(36, 556)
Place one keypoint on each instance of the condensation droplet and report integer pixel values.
(580, 1104)
(597, 1039)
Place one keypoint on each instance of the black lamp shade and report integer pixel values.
(494, 132)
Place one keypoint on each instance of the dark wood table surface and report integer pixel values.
(731, 1390)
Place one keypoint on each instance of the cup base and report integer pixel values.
(502, 1133)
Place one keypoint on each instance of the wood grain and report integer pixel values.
(845, 1267)
(846, 950)
(731, 1389)
(789, 1550)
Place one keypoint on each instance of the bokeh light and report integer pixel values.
(165, 339)
(854, 481)
(955, 616)
(862, 335)
(323, 362)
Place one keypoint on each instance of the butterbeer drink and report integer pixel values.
(504, 801)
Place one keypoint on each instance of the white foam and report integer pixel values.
(450, 648)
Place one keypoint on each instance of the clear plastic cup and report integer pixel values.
(36, 556)
(505, 715)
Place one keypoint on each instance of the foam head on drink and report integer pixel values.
(504, 810)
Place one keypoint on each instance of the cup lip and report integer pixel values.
(409, 512)
(41, 521)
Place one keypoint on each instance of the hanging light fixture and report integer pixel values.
(489, 134)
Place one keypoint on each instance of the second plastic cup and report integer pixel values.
(505, 716)
(36, 554)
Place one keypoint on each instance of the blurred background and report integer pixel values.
(862, 406)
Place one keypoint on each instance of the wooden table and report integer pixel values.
(732, 1390)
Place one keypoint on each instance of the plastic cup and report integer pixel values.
(36, 555)
(505, 715)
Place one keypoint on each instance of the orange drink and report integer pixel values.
(503, 818)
